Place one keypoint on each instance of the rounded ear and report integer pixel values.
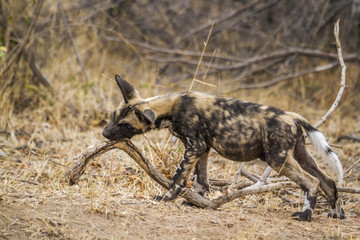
(126, 88)
(149, 115)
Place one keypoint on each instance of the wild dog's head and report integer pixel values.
(132, 117)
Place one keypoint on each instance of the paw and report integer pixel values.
(188, 204)
(174, 192)
(161, 198)
(338, 216)
(302, 216)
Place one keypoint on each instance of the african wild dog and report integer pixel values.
(237, 130)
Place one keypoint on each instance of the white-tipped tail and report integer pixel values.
(323, 149)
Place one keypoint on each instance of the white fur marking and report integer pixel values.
(333, 211)
(321, 147)
(168, 194)
(307, 204)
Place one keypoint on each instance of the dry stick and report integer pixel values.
(352, 166)
(21, 180)
(343, 77)
(72, 41)
(207, 69)
(200, 60)
(55, 162)
(77, 169)
(43, 79)
(353, 138)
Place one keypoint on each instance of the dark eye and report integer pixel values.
(127, 125)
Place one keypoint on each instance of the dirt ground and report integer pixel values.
(113, 199)
(28, 216)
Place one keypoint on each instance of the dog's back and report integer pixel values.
(234, 128)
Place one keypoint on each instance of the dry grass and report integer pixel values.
(114, 197)
(113, 200)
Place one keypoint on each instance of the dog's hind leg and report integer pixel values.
(201, 181)
(328, 186)
(285, 164)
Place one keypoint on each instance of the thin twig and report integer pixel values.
(352, 166)
(343, 77)
(207, 69)
(200, 60)
(72, 41)
(99, 229)
(60, 164)
(353, 138)
(22, 180)
(43, 79)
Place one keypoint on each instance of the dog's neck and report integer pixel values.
(163, 107)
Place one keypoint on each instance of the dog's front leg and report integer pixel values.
(190, 158)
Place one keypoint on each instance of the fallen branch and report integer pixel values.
(77, 169)
(351, 137)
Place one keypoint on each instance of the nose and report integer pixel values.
(106, 134)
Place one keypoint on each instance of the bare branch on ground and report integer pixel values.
(77, 169)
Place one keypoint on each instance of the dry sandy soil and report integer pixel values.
(57, 217)
(113, 199)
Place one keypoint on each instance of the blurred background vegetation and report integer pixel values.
(58, 58)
